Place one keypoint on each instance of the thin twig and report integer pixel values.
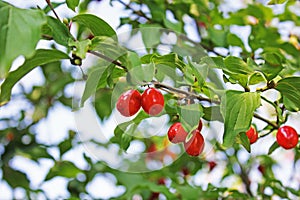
(186, 93)
(100, 55)
(139, 13)
(183, 37)
(245, 178)
(200, 98)
(52, 8)
(265, 120)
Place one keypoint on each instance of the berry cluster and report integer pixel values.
(130, 102)
(286, 136)
(194, 146)
(152, 102)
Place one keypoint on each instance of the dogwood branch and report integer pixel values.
(183, 37)
(52, 8)
(188, 94)
(104, 57)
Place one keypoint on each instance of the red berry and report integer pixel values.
(252, 135)
(129, 103)
(195, 145)
(152, 101)
(161, 181)
(262, 169)
(152, 148)
(212, 165)
(10, 136)
(155, 195)
(287, 137)
(185, 171)
(176, 133)
(200, 125)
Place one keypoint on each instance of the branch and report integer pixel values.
(52, 8)
(100, 55)
(265, 120)
(139, 13)
(245, 178)
(183, 37)
(200, 98)
(171, 89)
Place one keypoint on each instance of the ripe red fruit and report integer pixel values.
(176, 133)
(252, 135)
(200, 125)
(195, 145)
(287, 137)
(152, 101)
(152, 148)
(212, 165)
(185, 171)
(155, 195)
(262, 169)
(129, 103)
(10, 136)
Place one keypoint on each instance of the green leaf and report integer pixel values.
(290, 91)
(41, 57)
(190, 116)
(237, 109)
(200, 71)
(15, 178)
(109, 48)
(218, 37)
(57, 30)
(72, 4)
(34, 153)
(20, 30)
(97, 26)
(63, 168)
(234, 40)
(65, 146)
(214, 62)
(134, 60)
(125, 141)
(80, 47)
(103, 102)
(171, 60)
(150, 35)
(237, 69)
(255, 78)
(273, 58)
(272, 2)
(121, 130)
(190, 192)
(141, 74)
(273, 147)
(176, 26)
(244, 140)
(212, 113)
(91, 83)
